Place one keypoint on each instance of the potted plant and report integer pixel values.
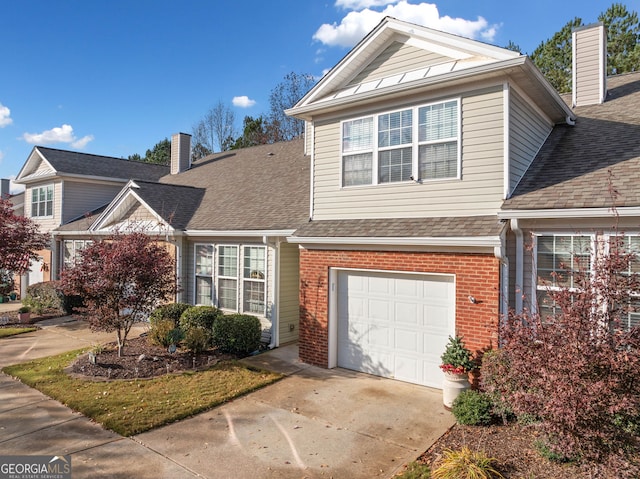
(13, 295)
(456, 364)
(24, 314)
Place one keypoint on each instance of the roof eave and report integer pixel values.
(557, 213)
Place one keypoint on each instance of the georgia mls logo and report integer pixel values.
(35, 467)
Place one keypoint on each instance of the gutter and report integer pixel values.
(251, 233)
(568, 213)
(464, 241)
(519, 285)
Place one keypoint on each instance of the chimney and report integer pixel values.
(180, 153)
(589, 64)
(5, 188)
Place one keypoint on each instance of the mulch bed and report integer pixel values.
(512, 445)
(140, 360)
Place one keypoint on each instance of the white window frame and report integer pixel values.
(220, 276)
(636, 294)
(254, 280)
(197, 275)
(36, 190)
(415, 145)
(546, 288)
(77, 245)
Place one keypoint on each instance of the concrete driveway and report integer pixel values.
(314, 423)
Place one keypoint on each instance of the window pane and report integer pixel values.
(357, 135)
(204, 290)
(357, 169)
(253, 295)
(395, 165)
(438, 122)
(228, 261)
(49, 193)
(227, 293)
(394, 128)
(561, 258)
(204, 259)
(254, 264)
(438, 160)
(68, 253)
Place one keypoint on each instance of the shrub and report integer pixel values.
(170, 311)
(199, 316)
(466, 463)
(472, 408)
(237, 333)
(456, 358)
(163, 332)
(44, 297)
(197, 339)
(493, 371)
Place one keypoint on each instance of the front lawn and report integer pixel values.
(133, 406)
(12, 331)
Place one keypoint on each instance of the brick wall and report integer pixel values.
(476, 274)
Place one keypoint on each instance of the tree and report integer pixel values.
(121, 280)
(553, 57)
(160, 154)
(514, 47)
(20, 238)
(284, 96)
(255, 131)
(213, 129)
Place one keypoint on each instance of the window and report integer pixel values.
(72, 250)
(228, 277)
(204, 274)
(254, 273)
(630, 244)
(420, 142)
(42, 201)
(560, 259)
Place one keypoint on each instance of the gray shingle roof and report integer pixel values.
(403, 227)
(572, 168)
(174, 203)
(264, 187)
(75, 163)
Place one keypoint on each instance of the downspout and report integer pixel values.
(519, 285)
(500, 253)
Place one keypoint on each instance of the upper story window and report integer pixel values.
(42, 201)
(420, 142)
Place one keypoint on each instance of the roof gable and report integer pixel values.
(36, 166)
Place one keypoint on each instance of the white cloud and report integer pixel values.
(243, 101)
(360, 4)
(62, 134)
(356, 24)
(5, 116)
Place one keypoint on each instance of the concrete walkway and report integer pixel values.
(314, 423)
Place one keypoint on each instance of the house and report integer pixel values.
(63, 185)
(432, 158)
(225, 219)
(438, 180)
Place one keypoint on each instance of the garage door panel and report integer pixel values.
(394, 324)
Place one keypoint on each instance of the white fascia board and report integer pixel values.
(113, 206)
(30, 160)
(549, 88)
(569, 213)
(90, 178)
(458, 241)
(251, 233)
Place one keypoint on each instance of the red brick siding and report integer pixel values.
(476, 274)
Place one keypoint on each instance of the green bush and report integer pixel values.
(237, 333)
(197, 339)
(44, 297)
(163, 332)
(170, 311)
(199, 316)
(493, 371)
(472, 408)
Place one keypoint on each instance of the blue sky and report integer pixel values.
(114, 77)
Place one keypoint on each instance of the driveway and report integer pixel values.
(314, 423)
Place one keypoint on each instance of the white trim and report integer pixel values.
(464, 241)
(332, 319)
(506, 140)
(218, 276)
(574, 75)
(238, 233)
(312, 169)
(568, 213)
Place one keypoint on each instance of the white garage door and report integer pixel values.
(395, 325)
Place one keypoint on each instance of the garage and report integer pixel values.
(394, 325)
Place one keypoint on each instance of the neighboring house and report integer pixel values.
(64, 185)
(225, 218)
(417, 138)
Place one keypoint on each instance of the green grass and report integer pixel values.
(4, 332)
(131, 407)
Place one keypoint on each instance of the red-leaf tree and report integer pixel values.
(20, 238)
(121, 280)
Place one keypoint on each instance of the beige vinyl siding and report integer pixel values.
(46, 224)
(528, 131)
(478, 192)
(42, 168)
(81, 198)
(288, 292)
(588, 52)
(394, 60)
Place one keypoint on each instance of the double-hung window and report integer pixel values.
(228, 277)
(560, 261)
(630, 245)
(72, 250)
(253, 280)
(419, 143)
(42, 201)
(204, 274)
